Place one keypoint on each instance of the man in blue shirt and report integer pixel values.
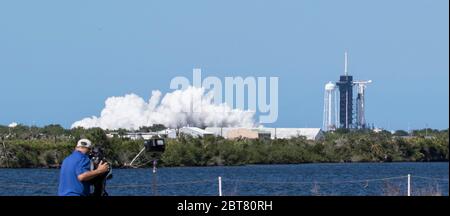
(76, 171)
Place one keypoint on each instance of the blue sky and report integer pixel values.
(60, 60)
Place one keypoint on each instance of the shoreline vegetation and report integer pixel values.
(46, 147)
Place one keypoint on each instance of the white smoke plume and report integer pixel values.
(13, 125)
(192, 106)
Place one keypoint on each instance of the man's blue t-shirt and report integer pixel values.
(75, 164)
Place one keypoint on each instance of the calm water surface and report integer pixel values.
(300, 179)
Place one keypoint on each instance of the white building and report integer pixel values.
(168, 133)
(195, 132)
(287, 133)
(192, 131)
(133, 135)
(279, 133)
(230, 133)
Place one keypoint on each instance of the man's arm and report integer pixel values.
(89, 175)
(102, 168)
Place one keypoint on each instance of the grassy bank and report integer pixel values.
(48, 150)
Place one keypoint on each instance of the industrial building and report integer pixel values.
(228, 133)
(133, 135)
(262, 132)
(346, 117)
(345, 85)
(195, 132)
(287, 133)
(191, 131)
(167, 133)
(234, 133)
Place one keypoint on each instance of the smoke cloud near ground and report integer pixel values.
(13, 124)
(190, 107)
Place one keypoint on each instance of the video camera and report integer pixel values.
(155, 145)
(96, 156)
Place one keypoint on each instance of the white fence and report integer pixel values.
(407, 185)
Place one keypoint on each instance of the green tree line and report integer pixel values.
(25, 146)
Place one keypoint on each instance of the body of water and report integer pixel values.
(301, 179)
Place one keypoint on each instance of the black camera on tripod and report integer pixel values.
(155, 145)
(96, 155)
